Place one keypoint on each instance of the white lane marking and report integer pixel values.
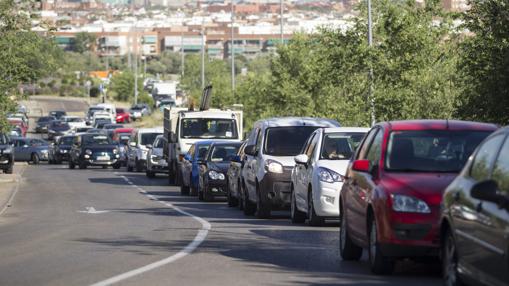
(198, 239)
(11, 198)
(92, 210)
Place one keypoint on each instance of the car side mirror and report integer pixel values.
(361, 166)
(250, 150)
(301, 159)
(132, 144)
(487, 191)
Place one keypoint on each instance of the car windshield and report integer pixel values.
(340, 146)
(73, 120)
(66, 141)
(59, 125)
(286, 141)
(45, 119)
(97, 139)
(431, 150)
(120, 110)
(123, 138)
(202, 151)
(148, 138)
(222, 153)
(208, 128)
(159, 144)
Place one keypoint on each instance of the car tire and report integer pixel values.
(450, 260)
(262, 208)
(313, 218)
(9, 170)
(150, 174)
(295, 214)
(71, 164)
(380, 264)
(34, 158)
(347, 248)
(249, 207)
(137, 164)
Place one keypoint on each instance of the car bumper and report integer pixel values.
(276, 189)
(408, 251)
(217, 188)
(101, 163)
(326, 199)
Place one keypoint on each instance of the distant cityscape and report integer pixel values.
(150, 27)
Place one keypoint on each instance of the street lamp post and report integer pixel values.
(202, 33)
(370, 76)
(232, 51)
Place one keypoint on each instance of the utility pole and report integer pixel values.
(370, 76)
(281, 19)
(136, 71)
(202, 57)
(182, 61)
(232, 49)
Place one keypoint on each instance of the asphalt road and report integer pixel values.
(96, 227)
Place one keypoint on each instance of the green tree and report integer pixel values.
(83, 42)
(122, 86)
(484, 63)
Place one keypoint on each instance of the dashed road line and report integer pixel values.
(198, 239)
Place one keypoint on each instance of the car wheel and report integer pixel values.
(138, 165)
(248, 207)
(71, 164)
(450, 261)
(380, 264)
(313, 218)
(262, 208)
(347, 249)
(150, 174)
(9, 170)
(35, 159)
(295, 214)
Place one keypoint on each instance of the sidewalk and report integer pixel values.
(9, 185)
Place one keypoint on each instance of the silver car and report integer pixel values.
(156, 163)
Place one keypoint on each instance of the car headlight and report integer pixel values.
(329, 176)
(88, 152)
(216, 175)
(274, 166)
(7, 151)
(408, 204)
(52, 131)
(115, 151)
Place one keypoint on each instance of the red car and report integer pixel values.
(19, 123)
(122, 115)
(390, 201)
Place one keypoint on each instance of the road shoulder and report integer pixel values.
(9, 184)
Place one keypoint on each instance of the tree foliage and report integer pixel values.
(83, 42)
(484, 63)
(122, 86)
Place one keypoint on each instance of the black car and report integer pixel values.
(112, 126)
(234, 177)
(42, 124)
(57, 113)
(58, 128)
(59, 150)
(475, 217)
(100, 123)
(94, 149)
(212, 172)
(6, 154)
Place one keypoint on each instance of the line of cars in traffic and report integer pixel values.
(418, 189)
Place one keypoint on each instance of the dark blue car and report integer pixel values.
(30, 149)
(190, 167)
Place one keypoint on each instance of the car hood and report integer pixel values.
(286, 161)
(425, 186)
(219, 166)
(338, 166)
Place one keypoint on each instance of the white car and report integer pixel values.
(137, 147)
(75, 122)
(101, 115)
(319, 171)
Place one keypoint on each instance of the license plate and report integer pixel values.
(103, 158)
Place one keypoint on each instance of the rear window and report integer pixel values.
(223, 153)
(97, 140)
(148, 138)
(286, 141)
(340, 146)
(431, 150)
